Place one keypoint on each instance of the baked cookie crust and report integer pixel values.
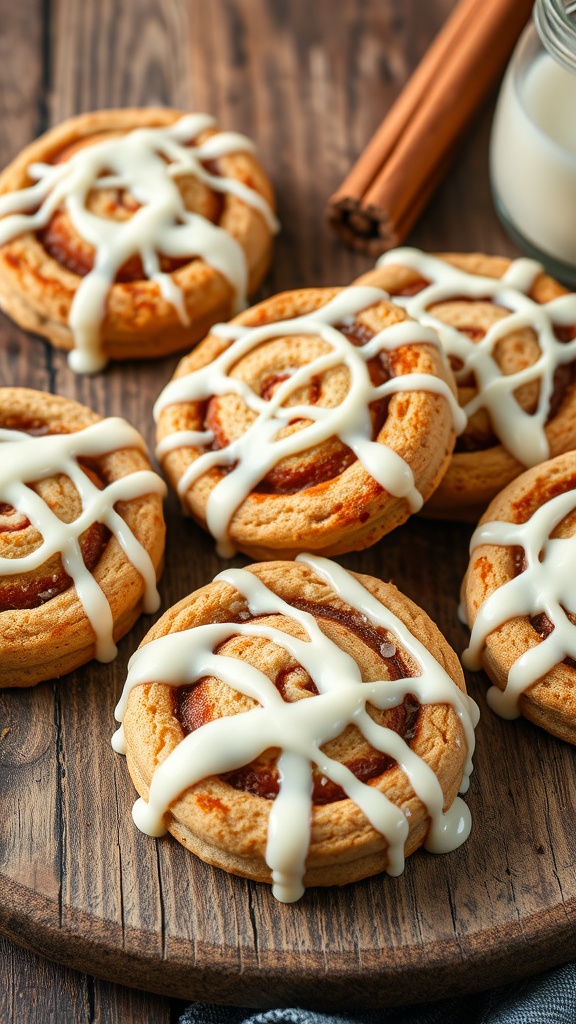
(258, 619)
(517, 596)
(517, 385)
(42, 269)
(317, 420)
(81, 535)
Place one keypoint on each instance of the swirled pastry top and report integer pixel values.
(319, 418)
(510, 334)
(519, 597)
(68, 482)
(120, 205)
(286, 661)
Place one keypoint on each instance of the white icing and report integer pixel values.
(300, 728)
(522, 433)
(145, 162)
(26, 459)
(546, 586)
(259, 449)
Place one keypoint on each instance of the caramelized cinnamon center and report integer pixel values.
(196, 705)
(33, 588)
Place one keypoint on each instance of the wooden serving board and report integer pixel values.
(78, 882)
(83, 886)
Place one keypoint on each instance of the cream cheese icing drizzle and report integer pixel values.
(545, 586)
(300, 728)
(25, 458)
(522, 433)
(146, 162)
(258, 449)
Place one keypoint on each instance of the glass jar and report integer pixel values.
(533, 143)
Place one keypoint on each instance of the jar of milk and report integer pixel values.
(533, 144)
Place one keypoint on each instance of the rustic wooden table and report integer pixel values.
(309, 82)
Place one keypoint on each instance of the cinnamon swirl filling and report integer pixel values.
(196, 705)
(35, 587)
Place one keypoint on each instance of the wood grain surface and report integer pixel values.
(78, 883)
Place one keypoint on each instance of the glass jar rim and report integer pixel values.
(555, 22)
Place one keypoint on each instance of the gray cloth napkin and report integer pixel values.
(548, 998)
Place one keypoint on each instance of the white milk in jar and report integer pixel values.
(533, 145)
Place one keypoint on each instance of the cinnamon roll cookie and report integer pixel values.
(518, 597)
(319, 420)
(128, 233)
(295, 723)
(509, 331)
(81, 535)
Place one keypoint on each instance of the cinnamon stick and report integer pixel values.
(409, 154)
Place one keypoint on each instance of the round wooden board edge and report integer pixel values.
(375, 978)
